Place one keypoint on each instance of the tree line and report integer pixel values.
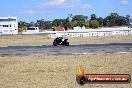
(114, 19)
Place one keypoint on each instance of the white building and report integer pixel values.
(31, 30)
(8, 25)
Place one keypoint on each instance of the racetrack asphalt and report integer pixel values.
(72, 49)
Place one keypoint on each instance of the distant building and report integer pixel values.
(58, 28)
(31, 30)
(8, 25)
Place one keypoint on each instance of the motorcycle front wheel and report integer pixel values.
(54, 43)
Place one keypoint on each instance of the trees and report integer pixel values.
(43, 24)
(86, 18)
(79, 18)
(67, 24)
(31, 24)
(114, 14)
(48, 24)
(100, 21)
(87, 24)
(69, 18)
(73, 24)
(114, 19)
(81, 24)
(121, 21)
(40, 24)
(93, 17)
(57, 22)
(94, 24)
(22, 26)
(127, 20)
(60, 22)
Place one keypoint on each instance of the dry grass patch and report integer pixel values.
(30, 39)
(24, 39)
(59, 71)
(101, 38)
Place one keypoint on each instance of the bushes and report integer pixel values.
(21, 29)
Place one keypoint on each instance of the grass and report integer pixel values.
(59, 71)
(24, 39)
(102, 38)
(30, 39)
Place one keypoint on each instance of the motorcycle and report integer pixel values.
(60, 41)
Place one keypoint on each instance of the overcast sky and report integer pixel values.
(31, 10)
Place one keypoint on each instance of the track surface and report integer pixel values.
(72, 49)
